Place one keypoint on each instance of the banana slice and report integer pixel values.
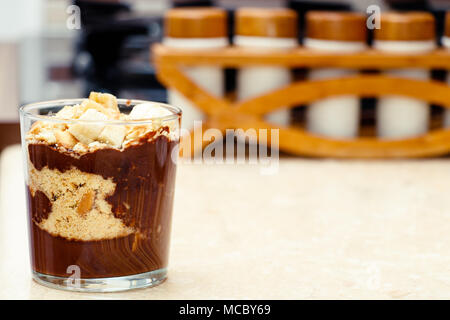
(87, 133)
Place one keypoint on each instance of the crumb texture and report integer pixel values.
(77, 206)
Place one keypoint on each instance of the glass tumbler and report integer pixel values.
(99, 216)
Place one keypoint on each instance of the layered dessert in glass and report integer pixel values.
(100, 176)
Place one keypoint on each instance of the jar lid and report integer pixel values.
(406, 26)
(337, 26)
(195, 22)
(265, 22)
(447, 25)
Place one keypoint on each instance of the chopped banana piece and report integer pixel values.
(148, 111)
(107, 100)
(68, 112)
(86, 132)
(92, 114)
(90, 104)
(113, 135)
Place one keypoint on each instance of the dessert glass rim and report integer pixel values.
(27, 111)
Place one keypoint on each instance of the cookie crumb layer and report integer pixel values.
(79, 210)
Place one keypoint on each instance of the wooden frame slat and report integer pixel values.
(298, 58)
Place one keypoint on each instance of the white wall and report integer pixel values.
(20, 18)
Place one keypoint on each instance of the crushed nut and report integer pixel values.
(86, 203)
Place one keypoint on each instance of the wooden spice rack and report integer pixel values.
(222, 113)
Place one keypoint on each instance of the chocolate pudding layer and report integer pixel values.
(144, 178)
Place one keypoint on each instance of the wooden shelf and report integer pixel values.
(297, 58)
(223, 114)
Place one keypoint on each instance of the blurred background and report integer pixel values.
(42, 59)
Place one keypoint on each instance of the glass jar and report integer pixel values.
(99, 216)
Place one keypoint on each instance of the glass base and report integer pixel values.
(115, 284)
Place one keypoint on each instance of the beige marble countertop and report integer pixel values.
(317, 229)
